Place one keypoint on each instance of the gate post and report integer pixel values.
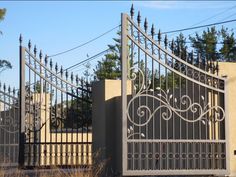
(227, 150)
(22, 105)
(124, 63)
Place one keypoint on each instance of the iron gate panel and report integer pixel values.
(56, 114)
(174, 122)
(9, 127)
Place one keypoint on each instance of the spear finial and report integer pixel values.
(139, 18)
(40, 55)
(132, 11)
(165, 41)
(51, 64)
(56, 67)
(159, 36)
(145, 25)
(20, 39)
(35, 50)
(77, 79)
(29, 45)
(46, 59)
(152, 31)
(66, 74)
(172, 45)
(61, 71)
(72, 77)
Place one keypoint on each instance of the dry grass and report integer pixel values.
(94, 171)
(53, 172)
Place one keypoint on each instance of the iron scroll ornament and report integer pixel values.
(165, 98)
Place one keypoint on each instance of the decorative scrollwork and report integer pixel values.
(9, 124)
(9, 120)
(165, 98)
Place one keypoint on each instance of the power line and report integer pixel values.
(190, 28)
(204, 42)
(218, 21)
(220, 13)
(81, 45)
(88, 59)
(229, 16)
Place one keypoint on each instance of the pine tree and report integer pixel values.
(228, 49)
(205, 44)
(110, 66)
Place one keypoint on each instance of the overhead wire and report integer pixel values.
(172, 31)
(220, 13)
(222, 19)
(85, 43)
(213, 16)
(87, 60)
(196, 27)
(229, 16)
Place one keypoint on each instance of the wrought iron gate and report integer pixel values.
(9, 126)
(174, 120)
(55, 114)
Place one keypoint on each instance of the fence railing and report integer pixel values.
(49, 122)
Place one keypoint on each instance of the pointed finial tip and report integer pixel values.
(40, 54)
(72, 76)
(166, 40)
(35, 49)
(145, 24)
(132, 10)
(50, 63)
(20, 39)
(139, 17)
(159, 35)
(46, 59)
(172, 45)
(152, 30)
(29, 44)
(56, 67)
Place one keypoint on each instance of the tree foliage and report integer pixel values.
(228, 49)
(210, 45)
(4, 64)
(110, 66)
(2, 15)
(205, 44)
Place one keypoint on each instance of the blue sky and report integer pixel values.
(58, 26)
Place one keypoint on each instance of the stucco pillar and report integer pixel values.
(229, 69)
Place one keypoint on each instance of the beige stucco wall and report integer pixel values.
(55, 147)
(229, 69)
